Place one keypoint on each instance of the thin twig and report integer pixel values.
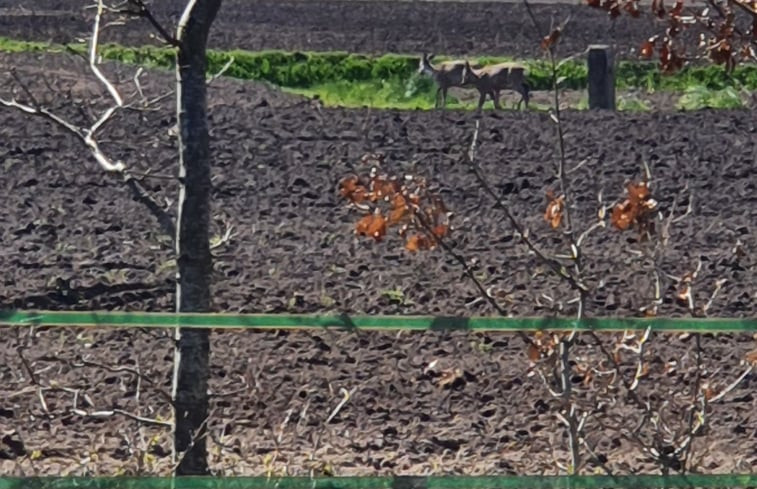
(139, 85)
(531, 15)
(203, 433)
(557, 267)
(164, 219)
(121, 412)
(346, 395)
(468, 272)
(145, 12)
(27, 366)
(23, 86)
(223, 70)
(732, 385)
(86, 136)
(694, 399)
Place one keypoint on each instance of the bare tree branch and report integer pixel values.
(556, 266)
(468, 271)
(223, 70)
(145, 12)
(732, 385)
(87, 135)
(121, 412)
(93, 45)
(166, 222)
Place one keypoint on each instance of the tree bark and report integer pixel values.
(192, 351)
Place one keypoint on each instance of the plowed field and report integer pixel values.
(73, 238)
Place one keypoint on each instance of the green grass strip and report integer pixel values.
(398, 482)
(308, 69)
(344, 321)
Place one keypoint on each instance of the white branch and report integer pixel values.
(43, 112)
(184, 20)
(84, 135)
(93, 56)
(102, 120)
(732, 386)
(347, 394)
(718, 285)
(221, 71)
(113, 412)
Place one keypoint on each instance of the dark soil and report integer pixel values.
(73, 238)
(278, 162)
(464, 28)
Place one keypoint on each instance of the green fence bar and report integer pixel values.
(398, 482)
(343, 321)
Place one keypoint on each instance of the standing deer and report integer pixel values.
(489, 80)
(446, 74)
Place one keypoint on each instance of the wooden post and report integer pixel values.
(601, 77)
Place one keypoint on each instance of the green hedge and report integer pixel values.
(302, 70)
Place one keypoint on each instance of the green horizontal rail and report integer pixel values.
(397, 482)
(392, 323)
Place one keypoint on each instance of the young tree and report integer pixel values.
(724, 31)
(586, 392)
(191, 230)
(190, 387)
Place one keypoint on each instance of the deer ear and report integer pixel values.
(430, 57)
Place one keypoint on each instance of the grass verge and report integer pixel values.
(390, 81)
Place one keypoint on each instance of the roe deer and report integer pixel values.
(446, 74)
(489, 80)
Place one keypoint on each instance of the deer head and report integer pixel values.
(425, 64)
(469, 76)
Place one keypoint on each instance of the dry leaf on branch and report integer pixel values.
(751, 358)
(449, 377)
(636, 211)
(403, 202)
(632, 7)
(549, 41)
(647, 48)
(722, 40)
(555, 207)
(544, 345)
(418, 242)
(372, 225)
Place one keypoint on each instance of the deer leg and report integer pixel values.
(481, 100)
(495, 99)
(523, 98)
(523, 95)
(444, 97)
(438, 95)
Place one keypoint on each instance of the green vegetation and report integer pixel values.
(391, 80)
(394, 93)
(632, 103)
(13, 46)
(700, 97)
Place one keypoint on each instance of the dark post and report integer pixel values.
(601, 77)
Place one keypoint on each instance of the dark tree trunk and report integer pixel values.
(190, 389)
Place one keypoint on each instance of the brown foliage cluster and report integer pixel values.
(390, 201)
(555, 208)
(551, 39)
(544, 344)
(722, 40)
(636, 210)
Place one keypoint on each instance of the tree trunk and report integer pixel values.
(191, 361)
